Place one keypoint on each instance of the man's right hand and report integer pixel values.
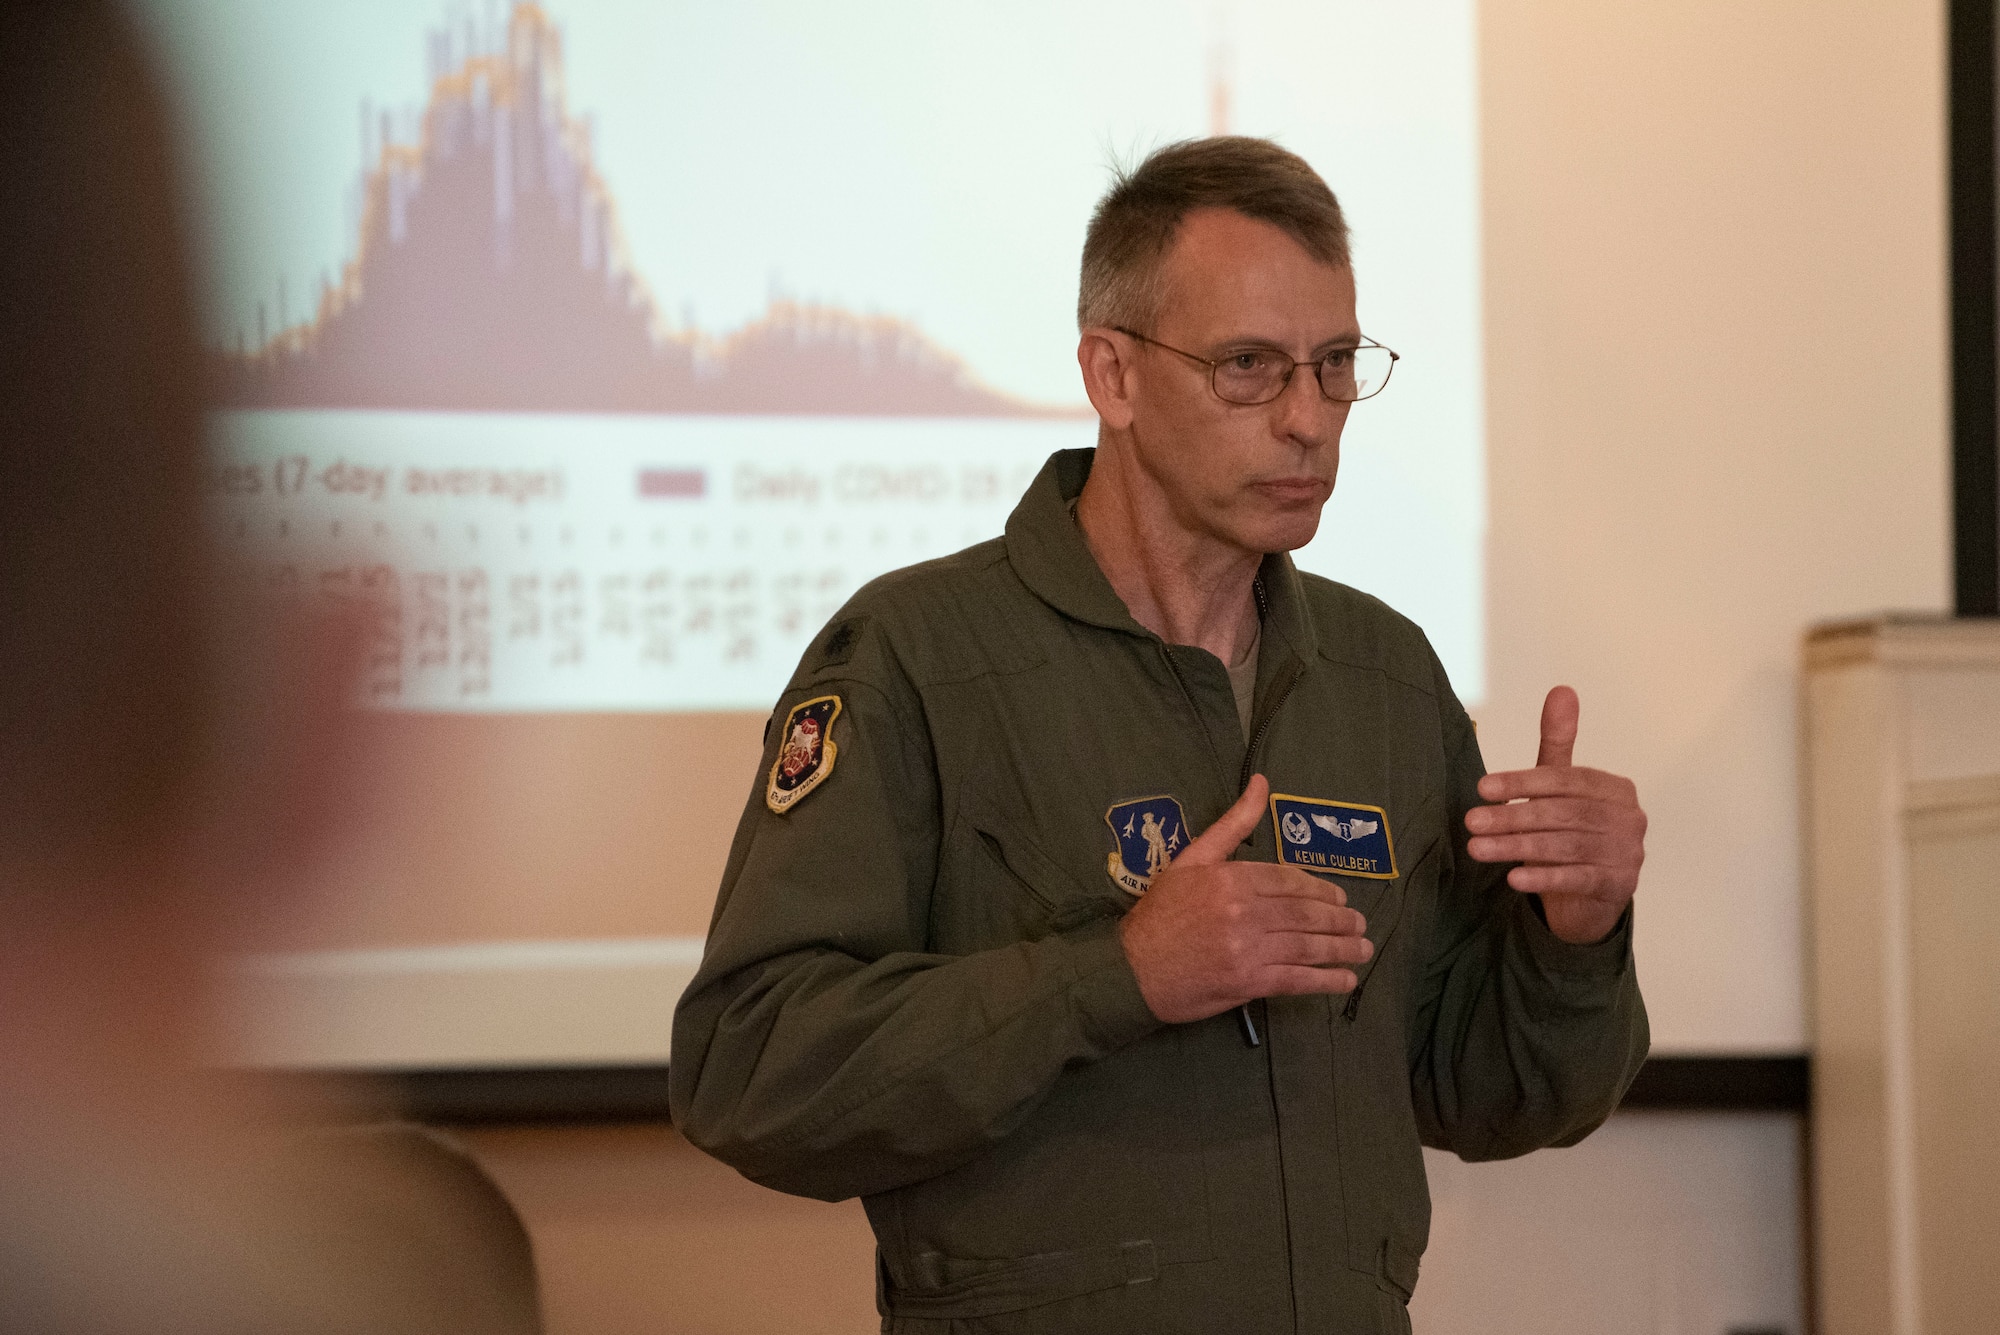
(1210, 934)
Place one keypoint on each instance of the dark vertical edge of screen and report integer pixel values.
(1975, 313)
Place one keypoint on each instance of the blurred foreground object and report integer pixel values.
(151, 817)
(404, 1213)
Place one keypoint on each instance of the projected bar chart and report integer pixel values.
(545, 498)
(490, 276)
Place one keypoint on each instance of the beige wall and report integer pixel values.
(1717, 412)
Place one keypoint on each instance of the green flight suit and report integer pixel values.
(914, 990)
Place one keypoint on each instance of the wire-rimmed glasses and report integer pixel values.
(1260, 375)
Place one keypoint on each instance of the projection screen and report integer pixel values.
(600, 349)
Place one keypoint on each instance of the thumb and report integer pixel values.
(1559, 713)
(1231, 828)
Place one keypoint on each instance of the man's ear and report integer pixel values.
(1107, 375)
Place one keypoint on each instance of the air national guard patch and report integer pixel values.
(806, 755)
(1150, 831)
(1347, 838)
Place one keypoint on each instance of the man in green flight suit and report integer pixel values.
(1082, 1089)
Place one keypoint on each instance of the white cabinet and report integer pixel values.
(1902, 766)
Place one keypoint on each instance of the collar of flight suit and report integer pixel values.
(1046, 547)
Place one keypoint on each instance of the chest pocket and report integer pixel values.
(1001, 886)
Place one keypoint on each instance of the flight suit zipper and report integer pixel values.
(1264, 724)
(1263, 729)
(1244, 1019)
(1248, 1023)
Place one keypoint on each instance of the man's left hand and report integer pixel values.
(1578, 833)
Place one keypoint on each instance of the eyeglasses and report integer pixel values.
(1260, 375)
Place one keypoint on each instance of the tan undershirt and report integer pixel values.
(1243, 680)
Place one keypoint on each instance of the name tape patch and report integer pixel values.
(1344, 838)
(806, 755)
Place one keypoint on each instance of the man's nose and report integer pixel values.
(1304, 413)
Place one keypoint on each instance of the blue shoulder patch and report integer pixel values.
(1150, 831)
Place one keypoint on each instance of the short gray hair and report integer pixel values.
(1135, 222)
